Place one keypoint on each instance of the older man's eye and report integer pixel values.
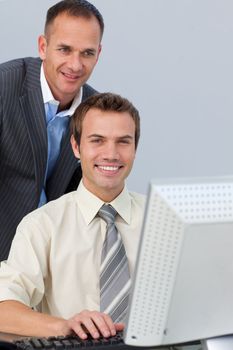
(88, 53)
(126, 141)
(64, 49)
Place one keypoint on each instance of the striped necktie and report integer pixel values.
(114, 270)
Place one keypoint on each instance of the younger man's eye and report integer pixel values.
(96, 140)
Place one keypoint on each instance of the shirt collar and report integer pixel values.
(48, 96)
(89, 204)
(122, 204)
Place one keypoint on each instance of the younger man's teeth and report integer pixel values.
(109, 167)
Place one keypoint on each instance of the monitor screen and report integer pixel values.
(183, 281)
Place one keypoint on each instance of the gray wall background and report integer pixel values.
(173, 59)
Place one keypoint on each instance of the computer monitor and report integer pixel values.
(183, 281)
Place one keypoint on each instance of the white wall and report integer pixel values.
(173, 59)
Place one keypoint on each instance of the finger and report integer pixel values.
(78, 329)
(101, 323)
(110, 324)
(119, 326)
(90, 326)
(82, 324)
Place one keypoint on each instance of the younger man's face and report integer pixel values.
(107, 151)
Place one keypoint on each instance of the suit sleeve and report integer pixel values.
(1, 116)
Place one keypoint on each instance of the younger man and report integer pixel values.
(60, 263)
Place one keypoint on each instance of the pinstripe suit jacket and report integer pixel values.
(23, 148)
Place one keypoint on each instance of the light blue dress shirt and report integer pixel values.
(57, 125)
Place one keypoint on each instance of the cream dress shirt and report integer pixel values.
(54, 260)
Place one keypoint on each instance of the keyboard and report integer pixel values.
(74, 342)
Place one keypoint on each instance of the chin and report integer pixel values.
(112, 187)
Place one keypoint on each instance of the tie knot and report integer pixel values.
(52, 110)
(107, 213)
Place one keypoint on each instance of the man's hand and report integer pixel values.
(93, 322)
(20, 319)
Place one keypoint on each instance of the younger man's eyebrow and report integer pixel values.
(95, 135)
(130, 137)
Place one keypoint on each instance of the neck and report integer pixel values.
(105, 194)
(63, 106)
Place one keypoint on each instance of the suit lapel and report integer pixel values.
(67, 163)
(34, 115)
(64, 169)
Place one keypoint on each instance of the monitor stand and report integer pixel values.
(218, 343)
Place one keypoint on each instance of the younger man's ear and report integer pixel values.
(75, 147)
